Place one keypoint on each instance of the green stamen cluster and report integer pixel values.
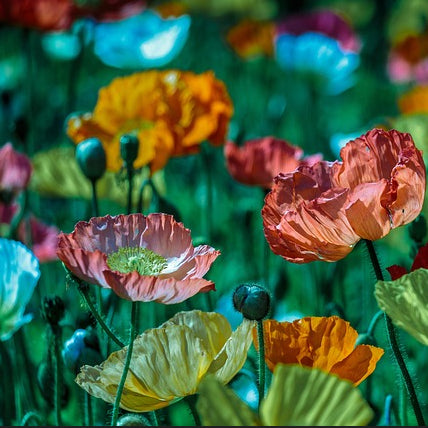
(141, 260)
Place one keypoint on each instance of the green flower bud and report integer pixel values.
(53, 309)
(91, 157)
(129, 145)
(252, 300)
(418, 229)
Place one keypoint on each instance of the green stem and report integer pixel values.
(58, 370)
(376, 318)
(7, 379)
(191, 401)
(154, 416)
(121, 386)
(130, 176)
(393, 342)
(206, 168)
(95, 210)
(89, 420)
(31, 415)
(262, 366)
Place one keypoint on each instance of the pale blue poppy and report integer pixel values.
(142, 41)
(320, 57)
(19, 274)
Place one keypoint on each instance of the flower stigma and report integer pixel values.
(141, 260)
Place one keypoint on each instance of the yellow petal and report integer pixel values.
(218, 405)
(405, 301)
(305, 396)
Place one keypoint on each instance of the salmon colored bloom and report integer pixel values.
(326, 343)
(321, 212)
(141, 258)
(415, 100)
(171, 112)
(250, 38)
(258, 161)
(169, 362)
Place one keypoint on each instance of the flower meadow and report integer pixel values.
(213, 213)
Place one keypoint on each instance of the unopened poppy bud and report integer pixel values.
(53, 309)
(133, 420)
(129, 148)
(418, 229)
(91, 157)
(252, 300)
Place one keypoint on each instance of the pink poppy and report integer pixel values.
(258, 161)
(321, 212)
(141, 258)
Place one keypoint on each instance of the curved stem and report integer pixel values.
(376, 318)
(31, 415)
(132, 335)
(262, 367)
(392, 337)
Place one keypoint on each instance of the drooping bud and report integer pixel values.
(129, 145)
(252, 300)
(91, 157)
(53, 309)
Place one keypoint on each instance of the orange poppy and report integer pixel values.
(326, 343)
(415, 100)
(171, 112)
(321, 212)
(258, 161)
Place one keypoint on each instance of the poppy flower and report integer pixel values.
(108, 10)
(258, 161)
(405, 301)
(297, 396)
(169, 362)
(171, 112)
(321, 212)
(141, 258)
(327, 343)
(19, 274)
(414, 100)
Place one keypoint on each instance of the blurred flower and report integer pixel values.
(171, 112)
(420, 261)
(40, 237)
(169, 362)
(141, 258)
(297, 396)
(250, 38)
(141, 41)
(19, 273)
(321, 45)
(170, 8)
(326, 343)
(405, 301)
(61, 45)
(258, 161)
(414, 101)
(108, 10)
(321, 212)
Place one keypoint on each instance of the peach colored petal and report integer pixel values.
(359, 364)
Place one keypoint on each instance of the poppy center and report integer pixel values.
(141, 260)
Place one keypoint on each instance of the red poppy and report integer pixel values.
(109, 10)
(141, 258)
(258, 161)
(321, 212)
(420, 261)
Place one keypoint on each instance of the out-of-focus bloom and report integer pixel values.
(414, 101)
(170, 8)
(420, 261)
(321, 212)
(61, 45)
(141, 258)
(19, 273)
(297, 396)
(320, 45)
(169, 362)
(141, 41)
(57, 174)
(258, 161)
(326, 343)
(108, 10)
(40, 237)
(171, 112)
(251, 38)
(405, 301)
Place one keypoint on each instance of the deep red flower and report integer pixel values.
(420, 261)
(258, 161)
(141, 258)
(321, 212)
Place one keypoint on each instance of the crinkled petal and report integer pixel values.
(303, 396)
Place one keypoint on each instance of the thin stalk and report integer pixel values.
(130, 177)
(190, 400)
(89, 420)
(29, 416)
(132, 334)
(58, 370)
(155, 419)
(262, 366)
(7, 380)
(95, 209)
(393, 342)
(376, 318)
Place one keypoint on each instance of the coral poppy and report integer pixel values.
(19, 274)
(405, 301)
(141, 258)
(250, 38)
(297, 396)
(171, 112)
(169, 362)
(258, 161)
(415, 100)
(321, 212)
(327, 343)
